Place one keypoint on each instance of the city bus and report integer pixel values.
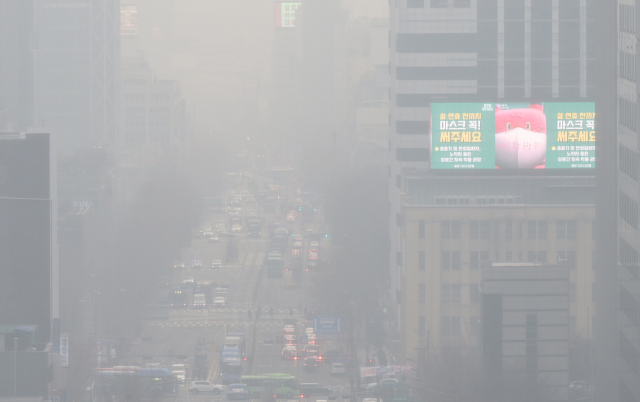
(230, 370)
(274, 264)
(277, 384)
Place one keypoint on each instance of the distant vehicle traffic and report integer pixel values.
(205, 386)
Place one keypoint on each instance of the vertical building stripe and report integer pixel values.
(555, 55)
(501, 48)
(583, 48)
(527, 48)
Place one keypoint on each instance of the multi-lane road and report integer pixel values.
(190, 331)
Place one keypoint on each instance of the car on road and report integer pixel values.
(312, 255)
(296, 250)
(310, 350)
(238, 392)
(180, 372)
(289, 352)
(220, 301)
(205, 386)
(216, 264)
(188, 280)
(291, 217)
(312, 339)
(311, 363)
(236, 227)
(199, 300)
(310, 389)
(196, 264)
(221, 227)
(387, 384)
(214, 238)
(338, 368)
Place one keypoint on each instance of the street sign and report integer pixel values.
(326, 325)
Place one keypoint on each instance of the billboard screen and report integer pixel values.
(128, 20)
(550, 135)
(286, 14)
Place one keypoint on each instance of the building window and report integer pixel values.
(561, 232)
(455, 229)
(508, 256)
(571, 229)
(398, 181)
(440, 201)
(455, 326)
(628, 209)
(496, 233)
(572, 293)
(421, 293)
(508, 230)
(445, 294)
(531, 256)
(445, 260)
(474, 260)
(421, 326)
(571, 257)
(445, 229)
(531, 229)
(415, 3)
(420, 229)
(421, 261)
(445, 326)
(484, 256)
(484, 229)
(455, 260)
(519, 230)
(455, 293)
(542, 256)
(474, 294)
(398, 258)
(474, 326)
(542, 229)
(473, 229)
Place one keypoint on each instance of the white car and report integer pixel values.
(216, 264)
(188, 279)
(337, 368)
(180, 371)
(205, 386)
(220, 301)
(236, 227)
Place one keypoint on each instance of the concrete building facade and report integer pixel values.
(444, 247)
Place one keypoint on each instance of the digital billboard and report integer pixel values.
(128, 20)
(286, 14)
(550, 135)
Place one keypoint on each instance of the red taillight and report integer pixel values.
(245, 358)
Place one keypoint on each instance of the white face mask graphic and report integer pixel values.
(520, 148)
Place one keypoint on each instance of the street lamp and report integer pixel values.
(15, 366)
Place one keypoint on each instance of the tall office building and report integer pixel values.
(76, 61)
(490, 52)
(29, 293)
(628, 191)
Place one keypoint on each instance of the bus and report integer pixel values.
(230, 370)
(178, 297)
(274, 264)
(130, 382)
(281, 385)
(254, 228)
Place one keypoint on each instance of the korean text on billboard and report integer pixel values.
(556, 135)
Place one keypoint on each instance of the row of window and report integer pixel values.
(627, 18)
(628, 161)
(439, 3)
(482, 229)
(450, 260)
(629, 210)
(627, 66)
(627, 113)
(628, 254)
(137, 97)
(478, 200)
